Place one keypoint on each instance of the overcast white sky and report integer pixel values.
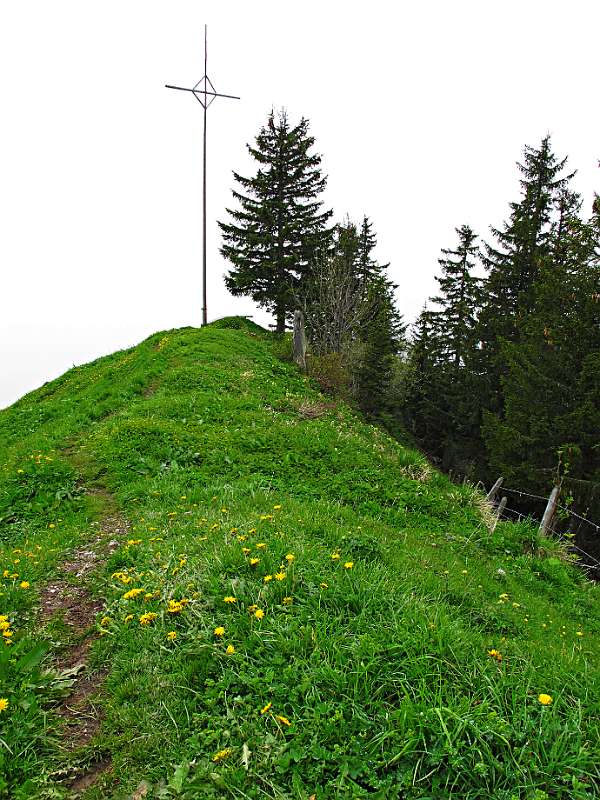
(419, 111)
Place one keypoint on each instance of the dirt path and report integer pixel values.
(68, 599)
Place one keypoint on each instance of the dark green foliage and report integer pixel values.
(350, 311)
(523, 250)
(460, 300)
(442, 404)
(279, 229)
(551, 385)
(382, 339)
(502, 375)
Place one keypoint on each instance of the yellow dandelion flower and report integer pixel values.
(175, 607)
(254, 561)
(146, 619)
(24, 585)
(229, 599)
(276, 508)
(148, 596)
(280, 576)
(242, 538)
(245, 550)
(105, 621)
(219, 630)
(4, 624)
(335, 556)
(266, 708)
(7, 634)
(3, 703)
(290, 557)
(132, 594)
(230, 649)
(252, 608)
(324, 585)
(287, 601)
(283, 720)
(172, 635)
(495, 654)
(348, 564)
(259, 613)
(267, 578)
(261, 545)
(545, 699)
(129, 617)
(221, 755)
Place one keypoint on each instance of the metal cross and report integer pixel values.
(205, 93)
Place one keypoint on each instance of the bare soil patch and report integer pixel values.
(314, 410)
(69, 598)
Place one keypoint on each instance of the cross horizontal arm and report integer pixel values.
(202, 91)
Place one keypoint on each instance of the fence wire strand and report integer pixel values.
(595, 565)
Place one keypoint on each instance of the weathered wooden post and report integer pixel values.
(491, 495)
(299, 341)
(501, 507)
(546, 522)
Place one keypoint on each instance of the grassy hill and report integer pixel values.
(218, 583)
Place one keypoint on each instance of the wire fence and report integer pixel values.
(580, 535)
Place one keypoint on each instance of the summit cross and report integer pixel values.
(204, 92)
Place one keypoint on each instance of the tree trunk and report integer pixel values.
(299, 341)
(280, 319)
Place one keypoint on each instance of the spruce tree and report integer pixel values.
(383, 333)
(367, 266)
(460, 298)
(382, 339)
(523, 248)
(551, 387)
(426, 413)
(280, 228)
(445, 405)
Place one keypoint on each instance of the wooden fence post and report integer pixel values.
(299, 339)
(491, 495)
(501, 507)
(546, 522)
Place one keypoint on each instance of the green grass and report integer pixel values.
(381, 669)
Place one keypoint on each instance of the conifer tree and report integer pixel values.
(367, 266)
(425, 414)
(460, 298)
(280, 228)
(382, 337)
(524, 246)
(444, 400)
(551, 387)
(382, 333)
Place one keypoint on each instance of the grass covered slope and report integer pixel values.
(301, 607)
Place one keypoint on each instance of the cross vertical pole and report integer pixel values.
(204, 92)
(204, 301)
